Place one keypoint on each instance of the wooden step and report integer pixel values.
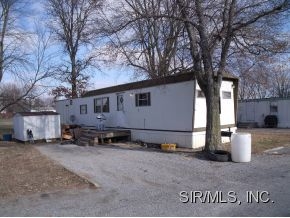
(93, 136)
(89, 135)
(82, 143)
(88, 141)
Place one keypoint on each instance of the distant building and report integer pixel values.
(40, 109)
(255, 111)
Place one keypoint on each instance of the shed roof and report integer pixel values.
(182, 77)
(25, 114)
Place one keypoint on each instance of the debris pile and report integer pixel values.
(70, 132)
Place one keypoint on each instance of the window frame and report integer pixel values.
(273, 108)
(227, 95)
(83, 109)
(103, 106)
(144, 101)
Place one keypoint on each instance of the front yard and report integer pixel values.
(24, 170)
(265, 139)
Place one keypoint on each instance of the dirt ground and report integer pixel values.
(23, 170)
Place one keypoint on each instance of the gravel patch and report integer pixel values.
(140, 182)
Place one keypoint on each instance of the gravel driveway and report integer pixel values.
(140, 182)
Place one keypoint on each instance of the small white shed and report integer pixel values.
(44, 125)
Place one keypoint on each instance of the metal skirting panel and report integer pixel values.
(161, 137)
(186, 140)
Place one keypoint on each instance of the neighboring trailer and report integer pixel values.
(44, 125)
(255, 111)
(165, 110)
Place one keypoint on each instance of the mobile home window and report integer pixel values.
(142, 99)
(101, 105)
(83, 109)
(227, 95)
(273, 108)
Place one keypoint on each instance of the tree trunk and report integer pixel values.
(213, 131)
(1, 60)
(4, 18)
(73, 77)
(73, 85)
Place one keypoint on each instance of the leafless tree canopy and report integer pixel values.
(12, 53)
(263, 77)
(74, 23)
(214, 31)
(36, 68)
(24, 55)
(145, 37)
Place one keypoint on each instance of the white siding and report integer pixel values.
(227, 107)
(183, 139)
(257, 110)
(18, 126)
(254, 111)
(199, 137)
(284, 114)
(43, 127)
(171, 109)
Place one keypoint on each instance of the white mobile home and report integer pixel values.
(255, 111)
(164, 110)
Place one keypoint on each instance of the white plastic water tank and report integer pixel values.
(241, 147)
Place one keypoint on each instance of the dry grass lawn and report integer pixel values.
(264, 139)
(24, 170)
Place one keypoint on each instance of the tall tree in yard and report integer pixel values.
(73, 23)
(34, 70)
(215, 31)
(11, 37)
(146, 38)
(24, 55)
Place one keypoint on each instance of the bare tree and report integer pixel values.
(73, 22)
(146, 37)
(82, 85)
(12, 53)
(35, 69)
(254, 74)
(216, 30)
(280, 78)
(10, 96)
(263, 76)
